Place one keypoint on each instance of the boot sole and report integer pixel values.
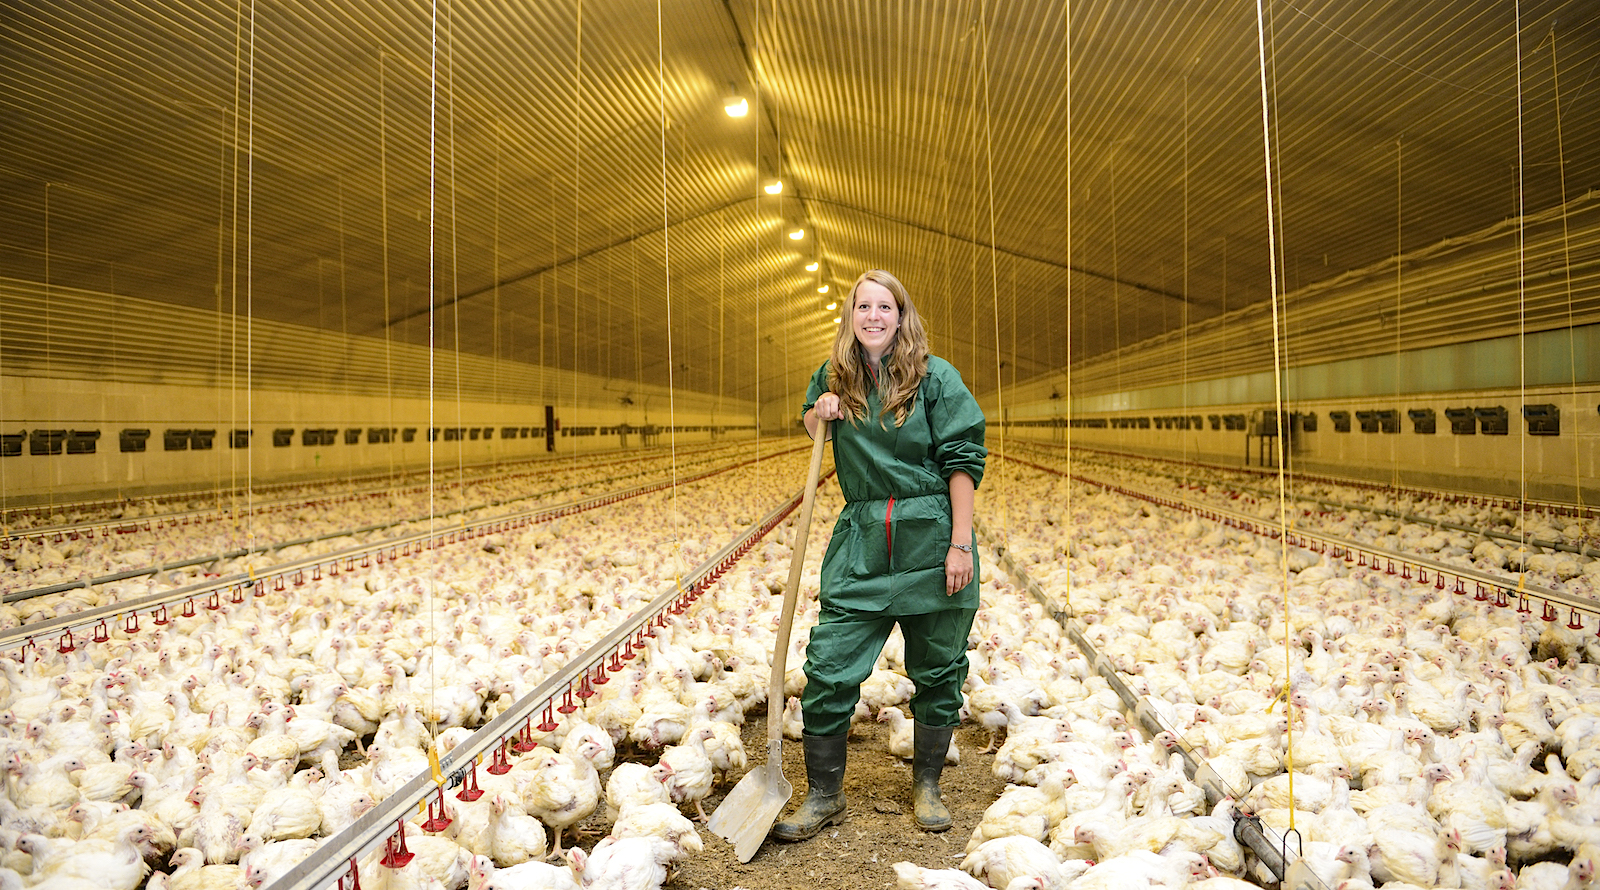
(779, 834)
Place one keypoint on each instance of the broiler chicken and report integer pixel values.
(635, 863)
(562, 792)
(190, 872)
(630, 785)
(1000, 861)
(115, 865)
(659, 820)
(513, 836)
(687, 773)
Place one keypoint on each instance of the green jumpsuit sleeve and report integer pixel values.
(956, 422)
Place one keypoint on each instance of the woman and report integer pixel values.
(908, 447)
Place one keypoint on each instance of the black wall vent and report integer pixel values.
(175, 440)
(409, 434)
(200, 440)
(82, 441)
(1423, 420)
(132, 440)
(1385, 421)
(1341, 421)
(282, 438)
(352, 436)
(239, 438)
(11, 444)
(1308, 422)
(1462, 421)
(1543, 420)
(1493, 420)
(46, 441)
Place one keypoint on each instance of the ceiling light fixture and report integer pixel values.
(834, 305)
(735, 105)
(797, 234)
(811, 267)
(836, 319)
(823, 289)
(774, 188)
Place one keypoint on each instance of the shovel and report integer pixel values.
(748, 812)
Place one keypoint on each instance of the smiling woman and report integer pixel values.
(909, 453)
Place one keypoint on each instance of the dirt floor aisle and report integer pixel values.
(878, 832)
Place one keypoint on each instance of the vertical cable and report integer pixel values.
(249, 289)
(1277, 386)
(994, 269)
(755, 230)
(666, 262)
(1522, 322)
(577, 207)
(1066, 52)
(455, 286)
(1566, 265)
(1399, 305)
(1184, 322)
(433, 114)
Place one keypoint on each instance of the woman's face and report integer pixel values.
(875, 317)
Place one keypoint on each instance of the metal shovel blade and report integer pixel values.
(746, 815)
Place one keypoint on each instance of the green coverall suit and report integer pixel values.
(885, 562)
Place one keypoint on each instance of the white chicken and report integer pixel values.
(910, 876)
(635, 863)
(633, 784)
(659, 820)
(562, 791)
(1000, 861)
(116, 865)
(687, 773)
(513, 836)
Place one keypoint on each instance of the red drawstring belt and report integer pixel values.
(888, 529)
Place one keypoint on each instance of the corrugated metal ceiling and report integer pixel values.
(275, 159)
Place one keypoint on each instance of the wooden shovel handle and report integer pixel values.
(791, 592)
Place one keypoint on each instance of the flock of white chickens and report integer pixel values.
(1428, 745)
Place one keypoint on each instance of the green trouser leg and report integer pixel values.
(824, 803)
(927, 762)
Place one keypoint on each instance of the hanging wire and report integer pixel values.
(455, 285)
(233, 289)
(249, 286)
(1522, 322)
(433, 576)
(1184, 321)
(1399, 305)
(994, 270)
(495, 309)
(755, 230)
(666, 263)
(1066, 53)
(1277, 385)
(1566, 265)
(577, 209)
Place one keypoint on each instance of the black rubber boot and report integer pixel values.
(824, 803)
(927, 762)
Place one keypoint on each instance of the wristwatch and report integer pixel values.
(964, 548)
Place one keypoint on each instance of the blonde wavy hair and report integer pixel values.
(904, 363)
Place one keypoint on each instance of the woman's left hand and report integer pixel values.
(957, 571)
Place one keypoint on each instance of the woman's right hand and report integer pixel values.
(827, 407)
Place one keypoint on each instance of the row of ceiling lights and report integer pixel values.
(736, 106)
